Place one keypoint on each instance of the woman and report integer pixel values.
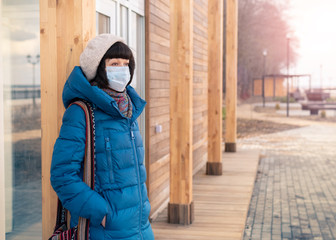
(118, 208)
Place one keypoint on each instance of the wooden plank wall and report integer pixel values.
(269, 87)
(280, 88)
(257, 88)
(158, 87)
(200, 91)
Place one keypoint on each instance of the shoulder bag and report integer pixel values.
(81, 231)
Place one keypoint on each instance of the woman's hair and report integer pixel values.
(117, 50)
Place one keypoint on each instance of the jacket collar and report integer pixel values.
(77, 86)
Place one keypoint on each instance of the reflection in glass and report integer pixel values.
(33, 61)
(21, 111)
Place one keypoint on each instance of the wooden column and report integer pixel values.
(65, 28)
(231, 74)
(180, 207)
(215, 86)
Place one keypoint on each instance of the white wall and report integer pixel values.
(6, 118)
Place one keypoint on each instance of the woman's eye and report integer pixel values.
(114, 64)
(125, 64)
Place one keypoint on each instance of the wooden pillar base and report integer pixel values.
(181, 213)
(214, 168)
(230, 147)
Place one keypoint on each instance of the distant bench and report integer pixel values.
(317, 101)
(314, 107)
(317, 96)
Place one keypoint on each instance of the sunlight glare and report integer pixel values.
(313, 25)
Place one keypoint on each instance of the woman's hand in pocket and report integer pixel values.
(103, 222)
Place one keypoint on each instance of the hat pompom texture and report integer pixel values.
(94, 52)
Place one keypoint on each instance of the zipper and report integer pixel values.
(109, 159)
(138, 175)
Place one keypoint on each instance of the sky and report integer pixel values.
(313, 22)
(20, 36)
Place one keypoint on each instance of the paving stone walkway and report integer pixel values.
(295, 191)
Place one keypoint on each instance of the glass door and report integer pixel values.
(20, 166)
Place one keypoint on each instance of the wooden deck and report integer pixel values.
(221, 202)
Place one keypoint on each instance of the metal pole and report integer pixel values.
(263, 84)
(34, 102)
(263, 77)
(263, 90)
(252, 88)
(274, 86)
(288, 76)
(33, 62)
(321, 79)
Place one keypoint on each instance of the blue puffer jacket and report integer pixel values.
(120, 190)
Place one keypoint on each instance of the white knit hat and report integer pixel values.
(93, 53)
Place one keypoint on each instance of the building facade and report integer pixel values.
(178, 73)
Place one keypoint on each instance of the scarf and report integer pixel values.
(123, 101)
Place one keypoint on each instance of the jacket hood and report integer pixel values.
(77, 86)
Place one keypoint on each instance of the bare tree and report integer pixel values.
(262, 25)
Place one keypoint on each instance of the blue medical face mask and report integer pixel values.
(118, 77)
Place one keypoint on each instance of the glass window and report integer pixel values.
(136, 42)
(103, 23)
(20, 48)
(106, 17)
(124, 22)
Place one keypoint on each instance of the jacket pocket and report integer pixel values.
(109, 159)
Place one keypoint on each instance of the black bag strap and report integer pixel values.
(89, 169)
